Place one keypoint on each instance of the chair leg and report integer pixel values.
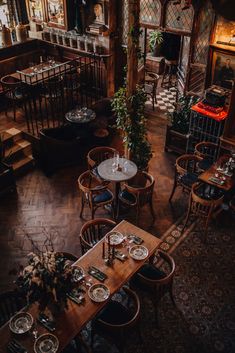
(206, 228)
(173, 189)
(171, 294)
(137, 214)
(82, 206)
(187, 217)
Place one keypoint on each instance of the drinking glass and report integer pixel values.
(116, 162)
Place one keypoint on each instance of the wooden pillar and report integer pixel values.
(133, 45)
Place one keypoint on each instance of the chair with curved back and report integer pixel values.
(93, 231)
(150, 86)
(93, 193)
(97, 155)
(15, 92)
(208, 151)
(137, 192)
(204, 205)
(156, 280)
(116, 321)
(10, 302)
(186, 172)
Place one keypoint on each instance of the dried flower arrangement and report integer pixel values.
(47, 278)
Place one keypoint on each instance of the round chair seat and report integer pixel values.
(189, 179)
(150, 272)
(208, 192)
(115, 314)
(103, 197)
(205, 164)
(127, 197)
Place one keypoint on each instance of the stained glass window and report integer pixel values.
(179, 19)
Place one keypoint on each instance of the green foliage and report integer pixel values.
(155, 37)
(131, 120)
(181, 116)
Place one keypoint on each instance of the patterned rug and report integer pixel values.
(204, 291)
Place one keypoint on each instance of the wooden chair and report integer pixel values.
(68, 256)
(97, 155)
(15, 92)
(208, 151)
(204, 205)
(138, 192)
(150, 86)
(154, 280)
(10, 303)
(93, 193)
(186, 172)
(94, 230)
(116, 320)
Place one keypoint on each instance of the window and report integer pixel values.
(4, 14)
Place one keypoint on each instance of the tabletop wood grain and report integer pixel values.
(70, 322)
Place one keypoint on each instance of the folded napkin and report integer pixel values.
(15, 347)
(46, 322)
(137, 240)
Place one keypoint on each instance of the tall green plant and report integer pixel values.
(131, 120)
(155, 37)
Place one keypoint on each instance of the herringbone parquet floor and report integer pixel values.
(50, 206)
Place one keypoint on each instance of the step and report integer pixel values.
(11, 135)
(21, 166)
(20, 148)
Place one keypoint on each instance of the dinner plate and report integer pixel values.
(78, 273)
(116, 238)
(138, 252)
(46, 343)
(21, 322)
(98, 292)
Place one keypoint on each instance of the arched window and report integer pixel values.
(150, 12)
(178, 18)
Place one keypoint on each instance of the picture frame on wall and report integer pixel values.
(99, 12)
(222, 68)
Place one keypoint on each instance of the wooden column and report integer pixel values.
(133, 45)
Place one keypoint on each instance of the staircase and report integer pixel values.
(18, 151)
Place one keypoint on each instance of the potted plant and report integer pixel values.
(155, 40)
(131, 121)
(178, 129)
(7, 179)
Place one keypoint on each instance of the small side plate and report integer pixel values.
(78, 273)
(138, 252)
(98, 293)
(21, 322)
(116, 238)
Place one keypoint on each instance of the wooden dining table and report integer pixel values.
(212, 172)
(73, 319)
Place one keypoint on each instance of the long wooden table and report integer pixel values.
(73, 319)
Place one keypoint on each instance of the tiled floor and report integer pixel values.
(165, 99)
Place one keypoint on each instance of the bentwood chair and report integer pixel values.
(10, 302)
(156, 280)
(150, 86)
(137, 192)
(97, 155)
(208, 151)
(93, 193)
(15, 92)
(204, 203)
(117, 320)
(186, 172)
(94, 230)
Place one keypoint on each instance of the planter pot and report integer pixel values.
(176, 141)
(7, 178)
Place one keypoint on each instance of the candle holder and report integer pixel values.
(109, 258)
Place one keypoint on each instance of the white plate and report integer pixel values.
(21, 322)
(98, 293)
(138, 252)
(46, 343)
(116, 238)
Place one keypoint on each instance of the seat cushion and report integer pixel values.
(127, 197)
(189, 179)
(205, 164)
(151, 272)
(115, 313)
(103, 197)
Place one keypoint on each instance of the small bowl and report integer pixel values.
(21, 323)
